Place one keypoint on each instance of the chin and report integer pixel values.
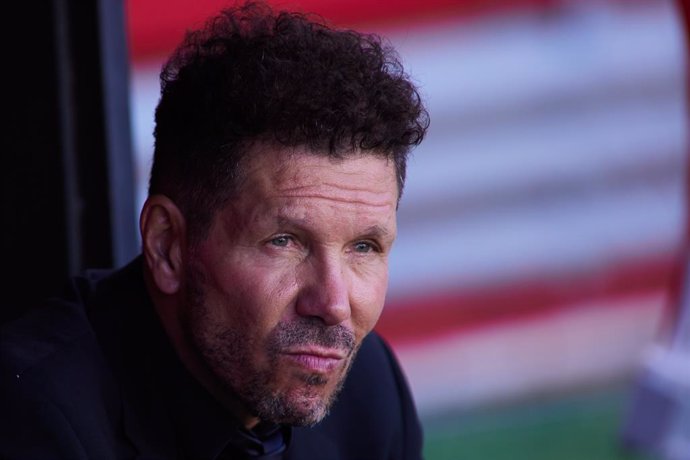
(304, 403)
(304, 412)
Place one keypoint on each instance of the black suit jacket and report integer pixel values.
(92, 376)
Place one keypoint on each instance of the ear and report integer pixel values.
(163, 233)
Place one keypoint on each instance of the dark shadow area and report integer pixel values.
(68, 186)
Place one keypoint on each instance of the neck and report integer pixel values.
(169, 310)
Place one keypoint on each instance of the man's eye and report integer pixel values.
(364, 247)
(282, 241)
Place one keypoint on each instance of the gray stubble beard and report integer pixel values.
(226, 353)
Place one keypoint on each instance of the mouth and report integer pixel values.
(316, 359)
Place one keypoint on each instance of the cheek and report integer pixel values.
(253, 296)
(367, 302)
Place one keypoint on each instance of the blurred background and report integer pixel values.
(537, 285)
(543, 219)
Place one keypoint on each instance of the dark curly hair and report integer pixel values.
(255, 75)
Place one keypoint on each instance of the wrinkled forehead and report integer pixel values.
(316, 194)
(301, 171)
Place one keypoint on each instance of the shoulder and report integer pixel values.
(47, 332)
(374, 416)
(41, 338)
(50, 346)
(53, 379)
(62, 327)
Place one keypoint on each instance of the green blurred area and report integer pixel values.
(578, 426)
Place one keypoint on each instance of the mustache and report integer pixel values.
(312, 331)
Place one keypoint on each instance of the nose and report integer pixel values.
(325, 292)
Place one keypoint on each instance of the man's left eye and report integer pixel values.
(364, 247)
(282, 240)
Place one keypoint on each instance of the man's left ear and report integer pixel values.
(163, 233)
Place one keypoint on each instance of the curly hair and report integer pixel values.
(252, 74)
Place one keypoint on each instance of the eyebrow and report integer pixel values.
(374, 230)
(343, 200)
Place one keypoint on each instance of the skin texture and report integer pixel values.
(268, 311)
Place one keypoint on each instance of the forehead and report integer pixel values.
(297, 172)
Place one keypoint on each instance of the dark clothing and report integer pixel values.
(93, 376)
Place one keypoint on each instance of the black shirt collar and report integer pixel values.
(206, 430)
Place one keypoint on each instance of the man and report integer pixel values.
(244, 329)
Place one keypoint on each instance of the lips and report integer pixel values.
(316, 359)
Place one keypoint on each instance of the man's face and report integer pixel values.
(291, 278)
